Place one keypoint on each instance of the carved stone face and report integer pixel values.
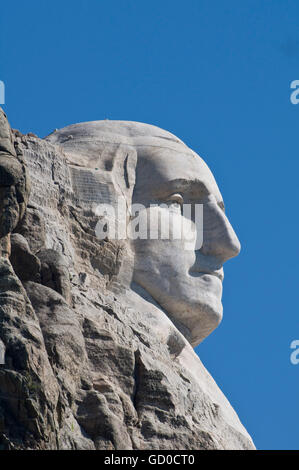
(186, 283)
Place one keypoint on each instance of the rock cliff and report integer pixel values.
(84, 367)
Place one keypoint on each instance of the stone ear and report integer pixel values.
(124, 170)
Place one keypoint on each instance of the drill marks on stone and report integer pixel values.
(88, 188)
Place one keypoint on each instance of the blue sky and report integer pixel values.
(217, 74)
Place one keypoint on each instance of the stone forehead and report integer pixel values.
(88, 135)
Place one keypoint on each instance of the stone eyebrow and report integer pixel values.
(182, 184)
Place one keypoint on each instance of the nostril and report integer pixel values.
(221, 245)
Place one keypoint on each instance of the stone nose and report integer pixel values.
(220, 241)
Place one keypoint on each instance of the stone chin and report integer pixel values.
(193, 304)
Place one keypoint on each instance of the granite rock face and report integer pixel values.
(85, 364)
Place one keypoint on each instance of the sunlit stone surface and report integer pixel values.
(99, 332)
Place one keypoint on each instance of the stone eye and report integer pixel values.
(176, 201)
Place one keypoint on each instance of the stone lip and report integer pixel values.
(88, 365)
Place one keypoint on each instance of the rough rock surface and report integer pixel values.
(82, 370)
